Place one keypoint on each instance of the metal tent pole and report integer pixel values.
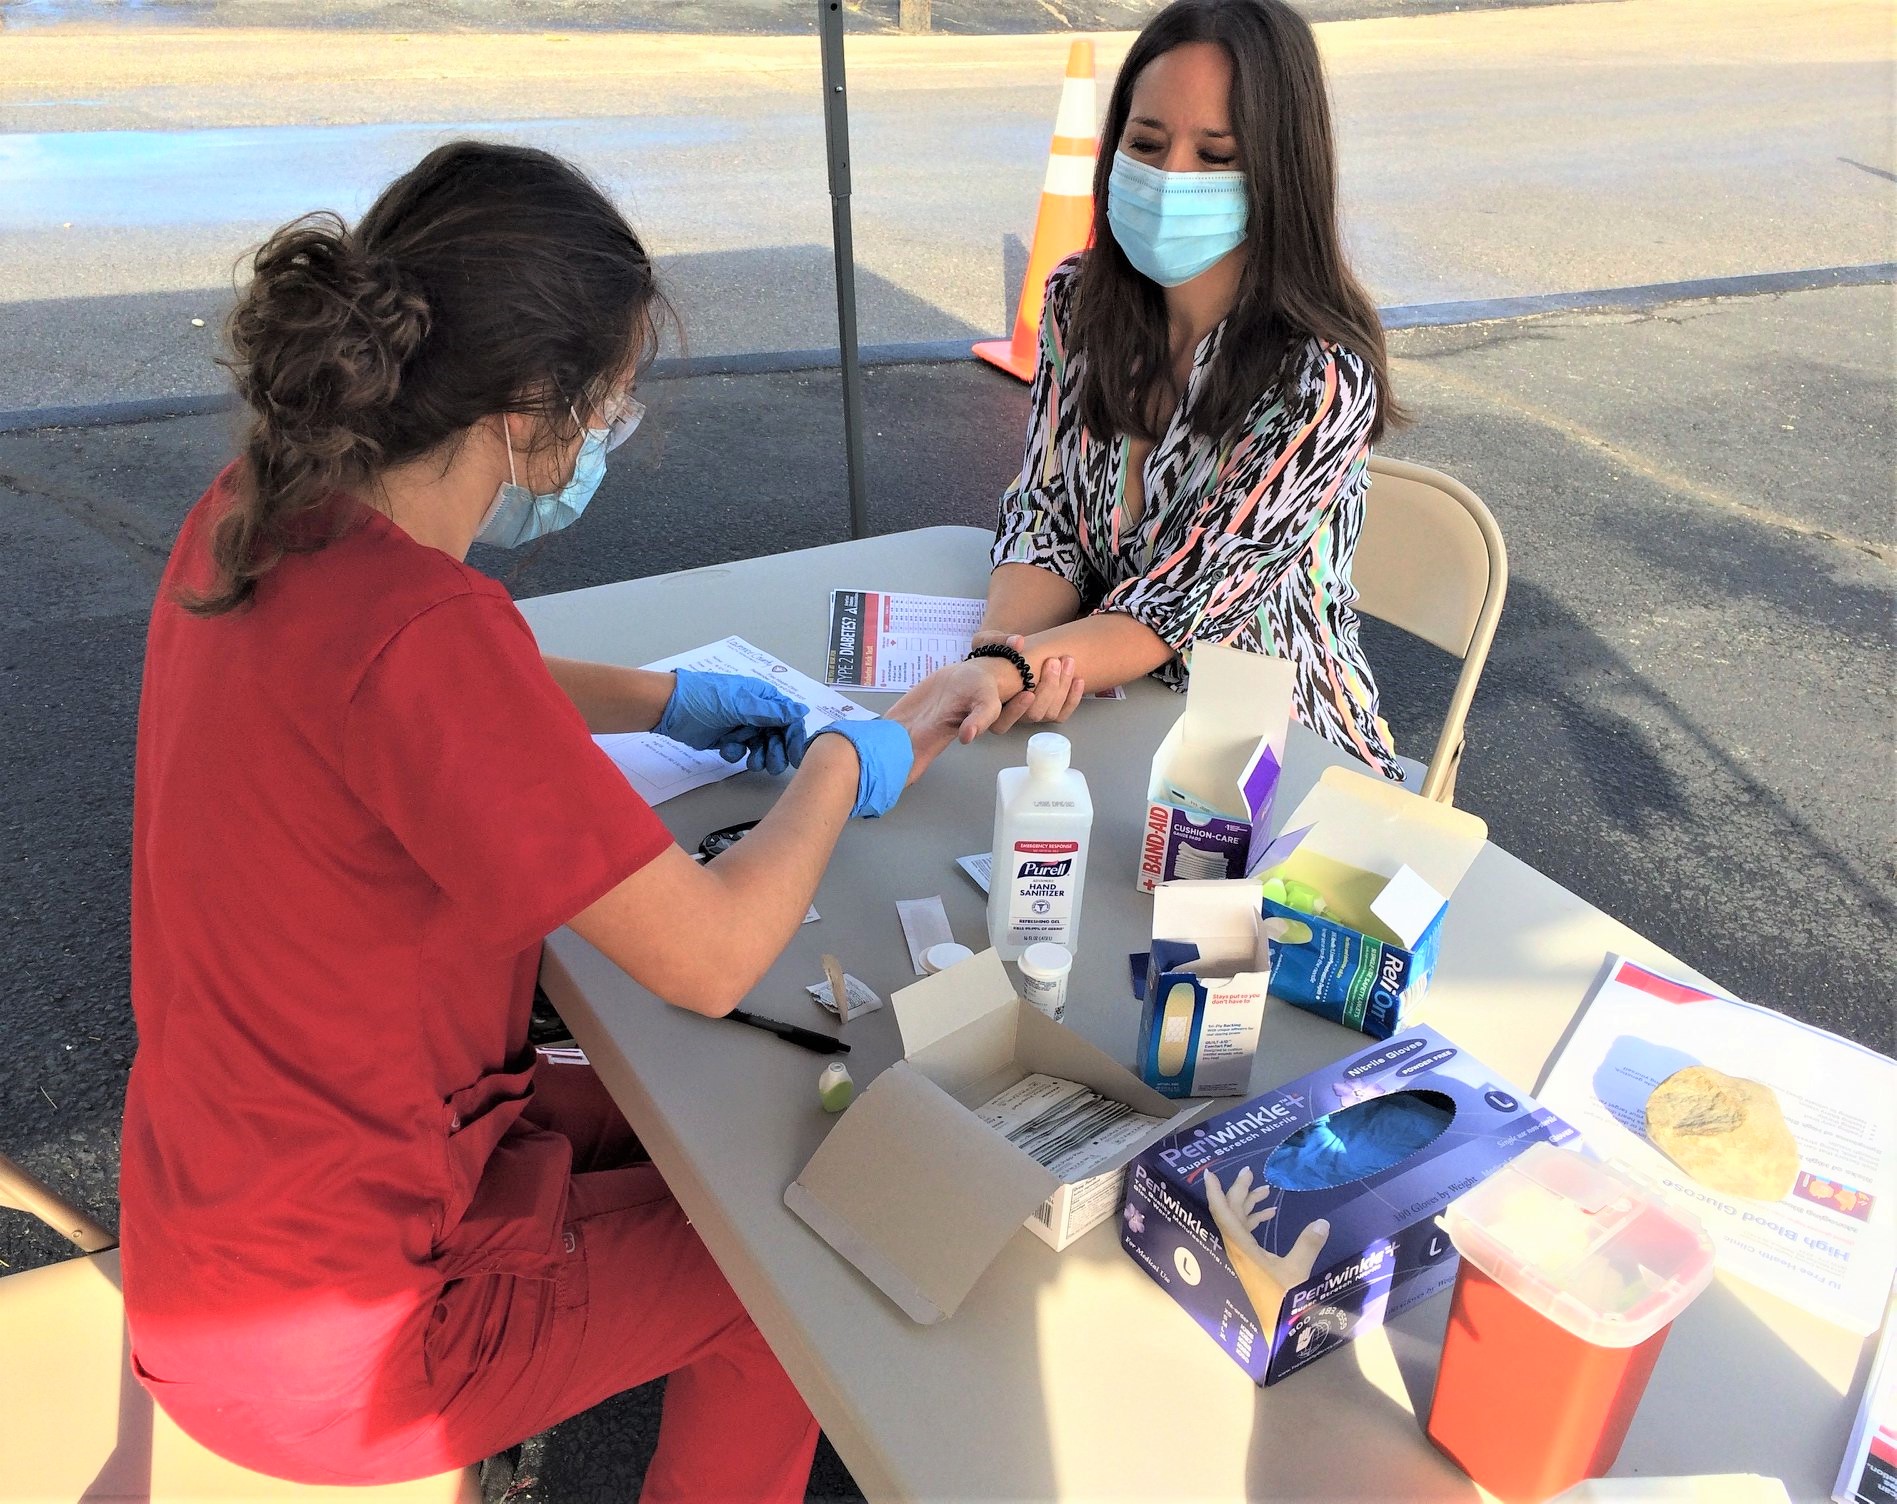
(836, 131)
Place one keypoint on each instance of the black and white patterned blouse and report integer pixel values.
(1244, 540)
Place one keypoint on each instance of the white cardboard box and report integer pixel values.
(915, 1190)
(1387, 862)
(1208, 801)
(1207, 975)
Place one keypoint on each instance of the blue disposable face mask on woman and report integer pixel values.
(519, 516)
(1173, 225)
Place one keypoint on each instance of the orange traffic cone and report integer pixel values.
(1065, 223)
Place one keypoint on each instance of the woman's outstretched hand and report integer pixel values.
(956, 703)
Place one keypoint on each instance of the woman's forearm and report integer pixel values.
(1108, 649)
(610, 698)
(1024, 599)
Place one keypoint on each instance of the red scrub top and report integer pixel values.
(361, 802)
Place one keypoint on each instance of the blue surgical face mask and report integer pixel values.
(1173, 225)
(519, 516)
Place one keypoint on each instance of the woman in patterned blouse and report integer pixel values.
(1211, 379)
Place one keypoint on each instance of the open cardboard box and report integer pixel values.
(1214, 776)
(914, 1189)
(1386, 863)
(1204, 989)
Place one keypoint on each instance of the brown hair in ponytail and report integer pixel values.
(487, 279)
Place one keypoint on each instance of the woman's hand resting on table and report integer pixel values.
(1057, 691)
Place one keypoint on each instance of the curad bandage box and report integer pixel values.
(995, 1117)
(1386, 863)
(1318, 1266)
(1215, 774)
(1204, 994)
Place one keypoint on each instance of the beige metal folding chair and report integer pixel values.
(75, 1425)
(1431, 561)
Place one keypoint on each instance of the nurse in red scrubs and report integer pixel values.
(364, 1240)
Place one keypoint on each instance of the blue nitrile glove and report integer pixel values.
(740, 718)
(1355, 1142)
(884, 755)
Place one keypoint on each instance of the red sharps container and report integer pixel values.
(1571, 1275)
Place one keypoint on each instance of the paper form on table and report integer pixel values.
(882, 640)
(661, 769)
(1829, 1245)
(1869, 1475)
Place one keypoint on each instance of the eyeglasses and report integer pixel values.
(619, 416)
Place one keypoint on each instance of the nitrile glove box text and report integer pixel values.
(1216, 773)
(1328, 1264)
(1386, 861)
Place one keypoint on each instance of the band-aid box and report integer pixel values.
(1325, 1264)
(1204, 993)
(1216, 773)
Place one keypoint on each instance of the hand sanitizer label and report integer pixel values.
(1041, 890)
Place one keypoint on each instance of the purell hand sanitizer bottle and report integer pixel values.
(1043, 813)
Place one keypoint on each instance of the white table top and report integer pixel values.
(1072, 1375)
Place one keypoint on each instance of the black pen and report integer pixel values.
(810, 1039)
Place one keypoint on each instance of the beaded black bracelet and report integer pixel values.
(1002, 650)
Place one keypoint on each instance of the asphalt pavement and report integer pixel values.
(1686, 720)
(1484, 155)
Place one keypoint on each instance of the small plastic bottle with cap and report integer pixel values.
(1044, 968)
(1043, 816)
(835, 1086)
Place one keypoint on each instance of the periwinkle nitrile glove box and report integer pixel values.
(1326, 1264)
(1215, 775)
(1386, 862)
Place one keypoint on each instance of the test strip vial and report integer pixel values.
(1045, 967)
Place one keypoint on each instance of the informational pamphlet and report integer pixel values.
(881, 640)
(1830, 1243)
(661, 769)
(1869, 1475)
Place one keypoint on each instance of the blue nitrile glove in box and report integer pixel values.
(740, 718)
(1354, 1145)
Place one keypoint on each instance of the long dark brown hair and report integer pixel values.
(487, 279)
(1295, 283)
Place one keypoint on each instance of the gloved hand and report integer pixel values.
(884, 755)
(1266, 1276)
(740, 718)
